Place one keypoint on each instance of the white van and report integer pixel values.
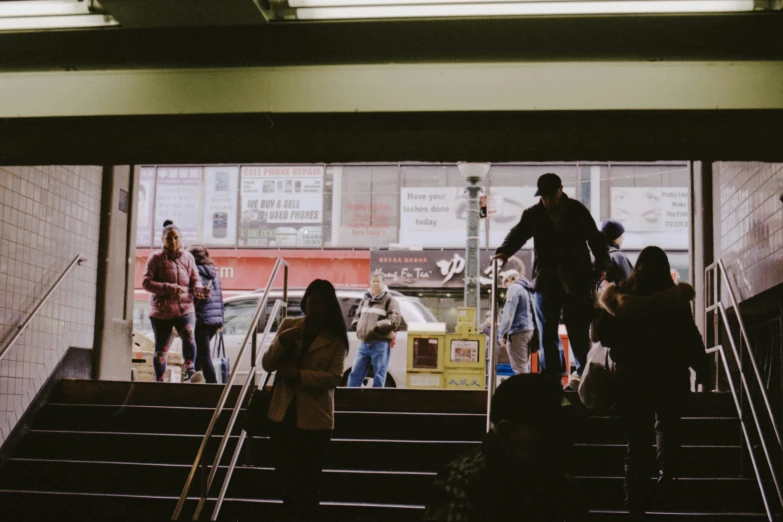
(239, 313)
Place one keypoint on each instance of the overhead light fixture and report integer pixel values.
(383, 9)
(31, 15)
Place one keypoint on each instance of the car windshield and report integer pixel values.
(238, 315)
(414, 312)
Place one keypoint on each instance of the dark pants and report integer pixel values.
(650, 410)
(299, 459)
(204, 335)
(577, 308)
(161, 328)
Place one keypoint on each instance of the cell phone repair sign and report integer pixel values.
(280, 201)
(219, 222)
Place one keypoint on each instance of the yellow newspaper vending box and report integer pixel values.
(466, 361)
(425, 359)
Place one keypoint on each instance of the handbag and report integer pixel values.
(219, 359)
(597, 391)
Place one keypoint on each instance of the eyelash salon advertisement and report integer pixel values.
(281, 206)
(437, 216)
(652, 215)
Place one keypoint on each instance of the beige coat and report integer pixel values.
(320, 374)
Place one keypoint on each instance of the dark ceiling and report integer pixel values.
(751, 36)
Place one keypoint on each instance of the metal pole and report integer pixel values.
(472, 249)
(493, 333)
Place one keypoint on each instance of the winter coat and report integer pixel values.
(518, 314)
(377, 317)
(165, 274)
(655, 333)
(621, 267)
(320, 373)
(209, 311)
(561, 258)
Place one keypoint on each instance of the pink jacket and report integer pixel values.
(166, 272)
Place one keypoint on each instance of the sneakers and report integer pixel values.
(194, 378)
(573, 383)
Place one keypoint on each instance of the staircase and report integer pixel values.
(122, 451)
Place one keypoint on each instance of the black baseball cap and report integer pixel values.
(548, 184)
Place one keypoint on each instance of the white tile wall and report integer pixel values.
(47, 216)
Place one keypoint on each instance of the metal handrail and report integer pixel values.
(746, 436)
(78, 260)
(252, 334)
(493, 332)
(716, 304)
(243, 435)
(745, 337)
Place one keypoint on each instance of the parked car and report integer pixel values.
(239, 314)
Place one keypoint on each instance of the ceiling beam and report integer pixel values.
(397, 88)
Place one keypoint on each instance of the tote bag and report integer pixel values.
(219, 359)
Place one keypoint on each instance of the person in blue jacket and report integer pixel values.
(521, 324)
(209, 311)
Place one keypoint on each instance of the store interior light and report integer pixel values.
(27, 15)
(378, 9)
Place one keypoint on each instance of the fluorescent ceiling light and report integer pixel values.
(56, 22)
(375, 9)
(19, 8)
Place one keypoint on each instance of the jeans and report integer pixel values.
(519, 351)
(378, 353)
(204, 335)
(650, 410)
(577, 308)
(161, 328)
(299, 457)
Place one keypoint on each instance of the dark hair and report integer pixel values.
(201, 255)
(651, 274)
(531, 399)
(335, 323)
(167, 223)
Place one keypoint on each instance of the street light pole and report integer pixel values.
(473, 173)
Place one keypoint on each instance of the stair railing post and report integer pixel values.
(493, 333)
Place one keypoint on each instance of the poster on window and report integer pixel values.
(219, 220)
(652, 215)
(437, 216)
(178, 198)
(145, 206)
(281, 206)
(367, 224)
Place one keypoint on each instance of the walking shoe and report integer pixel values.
(196, 378)
(573, 383)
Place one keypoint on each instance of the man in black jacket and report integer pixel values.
(564, 274)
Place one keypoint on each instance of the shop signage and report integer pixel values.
(178, 198)
(652, 215)
(219, 223)
(281, 206)
(437, 268)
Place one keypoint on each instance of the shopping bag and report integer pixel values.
(597, 389)
(219, 359)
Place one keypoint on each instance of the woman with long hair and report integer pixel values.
(209, 310)
(308, 355)
(172, 280)
(648, 326)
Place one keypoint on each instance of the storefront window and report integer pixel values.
(366, 211)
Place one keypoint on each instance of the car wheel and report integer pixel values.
(389, 383)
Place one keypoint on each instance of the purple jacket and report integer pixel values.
(166, 272)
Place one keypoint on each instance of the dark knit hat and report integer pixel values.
(613, 229)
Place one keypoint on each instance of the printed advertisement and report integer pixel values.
(178, 198)
(652, 215)
(437, 217)
(219, 222)
(281, 206)
(145, 206)
(368, 224)
(464, 351)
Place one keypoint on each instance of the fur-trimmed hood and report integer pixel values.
(625, 305)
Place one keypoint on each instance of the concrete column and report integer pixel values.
(114, 307)
(702, 246)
